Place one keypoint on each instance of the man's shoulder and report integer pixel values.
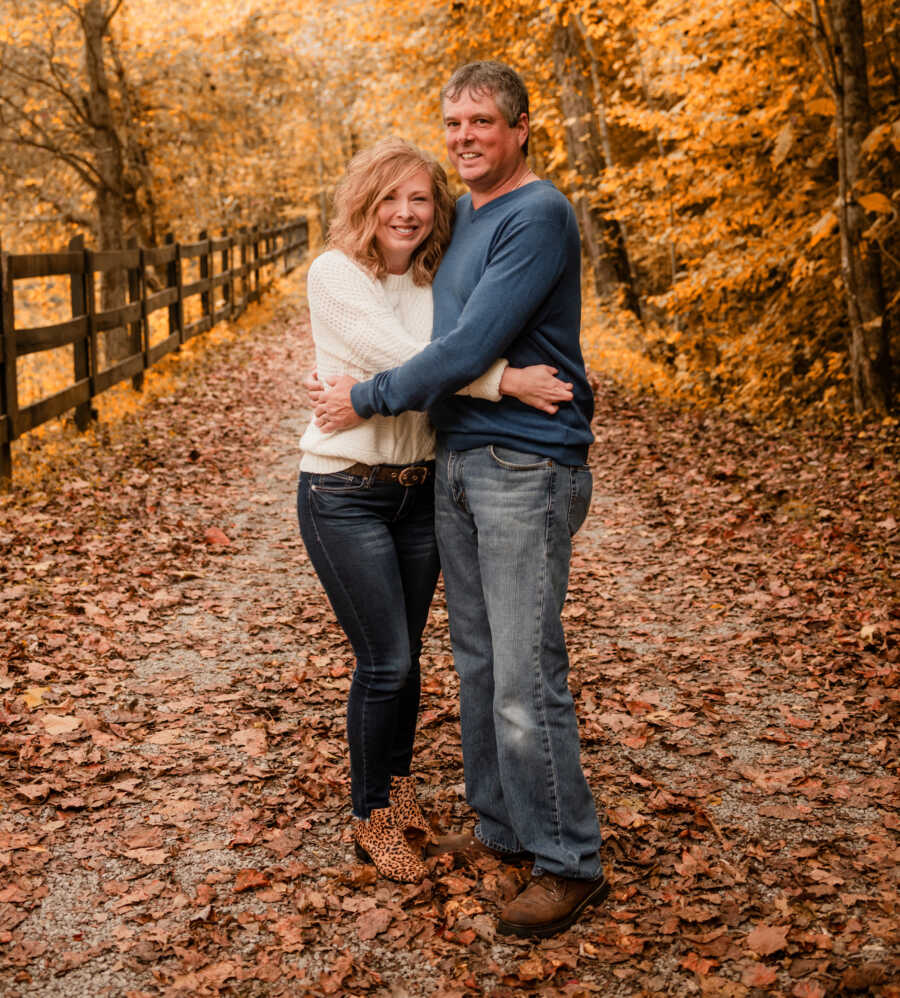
(543, 200)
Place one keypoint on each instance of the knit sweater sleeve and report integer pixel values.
(353, 319)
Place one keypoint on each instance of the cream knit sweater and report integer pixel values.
(361, 326)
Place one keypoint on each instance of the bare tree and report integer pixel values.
(59, 106)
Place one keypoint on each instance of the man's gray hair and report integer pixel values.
(502, 82)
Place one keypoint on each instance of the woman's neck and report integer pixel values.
(397, 264)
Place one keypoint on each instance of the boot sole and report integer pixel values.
(544, 929)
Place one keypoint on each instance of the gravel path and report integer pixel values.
(174, 817)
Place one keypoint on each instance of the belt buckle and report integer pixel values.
(414, 474)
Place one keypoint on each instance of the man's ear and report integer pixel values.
(524, 127)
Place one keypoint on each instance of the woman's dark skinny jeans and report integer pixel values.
(372, 546)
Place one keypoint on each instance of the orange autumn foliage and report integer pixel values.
(697, 138)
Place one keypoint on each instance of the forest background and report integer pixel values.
(735, 166)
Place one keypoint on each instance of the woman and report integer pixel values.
(365, 497)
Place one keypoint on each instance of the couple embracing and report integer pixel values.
(471, 315)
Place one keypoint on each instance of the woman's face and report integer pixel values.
(405, 220)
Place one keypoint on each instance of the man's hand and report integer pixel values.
(334, 410)
(536, 386)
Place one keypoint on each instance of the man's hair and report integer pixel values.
(370, 176)
(498, 80)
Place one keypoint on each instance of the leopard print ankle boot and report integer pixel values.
(407, 813)
(379, 841)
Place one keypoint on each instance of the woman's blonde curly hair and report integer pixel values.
(371, 175)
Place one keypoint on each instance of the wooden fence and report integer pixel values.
(224, 293)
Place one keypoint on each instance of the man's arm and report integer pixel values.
(521, 273)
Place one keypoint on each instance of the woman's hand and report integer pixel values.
(314, 388)
(334, 410)
(536, 386)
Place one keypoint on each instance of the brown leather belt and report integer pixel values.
(399, 474)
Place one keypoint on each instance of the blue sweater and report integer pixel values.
(509, 286)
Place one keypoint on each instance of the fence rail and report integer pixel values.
(241, 256)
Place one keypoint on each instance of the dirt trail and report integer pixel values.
(174, 817)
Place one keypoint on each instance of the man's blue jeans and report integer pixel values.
(372, 546)
(504, 521)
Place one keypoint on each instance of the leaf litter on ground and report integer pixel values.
(174, 801)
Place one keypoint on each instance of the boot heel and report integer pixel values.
(377, 840)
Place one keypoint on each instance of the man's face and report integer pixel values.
(485, 150)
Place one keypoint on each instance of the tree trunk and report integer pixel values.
(869, 335)
(602, 234)
(110, 163)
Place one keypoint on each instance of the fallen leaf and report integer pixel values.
(58, 724)
(251, 740)
(248, 879)
(758, 975)
(150, 857)
(373, 922)
(766, 939)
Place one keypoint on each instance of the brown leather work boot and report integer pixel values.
(470, 848)
(549, 904)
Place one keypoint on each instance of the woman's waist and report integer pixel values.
(396, 440)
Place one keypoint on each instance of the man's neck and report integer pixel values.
(520, 177)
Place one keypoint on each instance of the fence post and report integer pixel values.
(206, 275)
(245, 276)
(173, 280)
(90, 309)
(9, 396)
(145, 318)
(135, 294)
(256, 293)
(81, 349)
(227, 262)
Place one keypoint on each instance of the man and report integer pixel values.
(511, 488)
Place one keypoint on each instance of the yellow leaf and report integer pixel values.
(876, 202)
(783, 144)
(821, 105)
(874, 139)
(823, 228)
(34, 696)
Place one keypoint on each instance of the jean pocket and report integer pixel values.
(515, 460)
(580, 489)
(337, 484)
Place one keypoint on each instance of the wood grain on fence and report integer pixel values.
(217, 289)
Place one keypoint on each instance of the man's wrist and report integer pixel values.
(362, 399)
